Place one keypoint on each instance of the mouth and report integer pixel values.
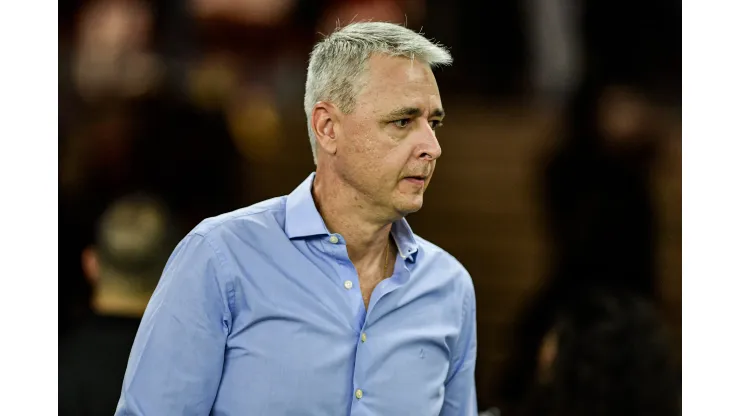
(416, 179)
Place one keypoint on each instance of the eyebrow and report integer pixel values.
(413, 112)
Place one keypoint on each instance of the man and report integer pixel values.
(323, 302)
(134, 239)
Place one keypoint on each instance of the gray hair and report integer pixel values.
(338, 61)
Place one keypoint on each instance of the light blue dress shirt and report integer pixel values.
(259, 312)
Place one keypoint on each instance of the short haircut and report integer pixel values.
(338, 61)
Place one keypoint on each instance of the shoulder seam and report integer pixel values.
(230, 291)
(204, 234)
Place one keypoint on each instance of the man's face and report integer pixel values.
(387, 147)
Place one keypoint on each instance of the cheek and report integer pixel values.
(364, 150)
(368, 150)
(359, 137)
(367, 146)
(429, 178)
(431, 174)
(361, 157)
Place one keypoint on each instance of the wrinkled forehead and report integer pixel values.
(392, 82)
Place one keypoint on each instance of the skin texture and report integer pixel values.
(365, 159)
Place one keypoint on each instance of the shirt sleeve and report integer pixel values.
(460, 394)
(177, 357)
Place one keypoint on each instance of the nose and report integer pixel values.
(428, 147)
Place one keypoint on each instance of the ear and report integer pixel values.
(324, 120)
(91, 266)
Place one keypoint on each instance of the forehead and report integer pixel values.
(391, 82)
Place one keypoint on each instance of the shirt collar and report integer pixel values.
(405, 241)
(302, 219)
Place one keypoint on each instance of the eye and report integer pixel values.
(435, 124)
(402, 123)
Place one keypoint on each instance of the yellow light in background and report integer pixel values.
(212, 81)
(254, 123)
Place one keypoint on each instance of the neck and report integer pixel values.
(119, 304)
(345, 211)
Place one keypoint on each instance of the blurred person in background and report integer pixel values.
(138, 128)
(128, 122)
(597, 192)
(135, 236)
(606, 353)
(600, 214)
(555, 49)
(113, 54)
(323, 301)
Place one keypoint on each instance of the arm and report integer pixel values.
(460, 393)
(177, 358)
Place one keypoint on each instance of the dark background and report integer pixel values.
(205, 110)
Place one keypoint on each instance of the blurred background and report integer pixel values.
(559, 189)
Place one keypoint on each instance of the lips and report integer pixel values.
(418, 181)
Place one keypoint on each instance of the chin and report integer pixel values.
(409, 207)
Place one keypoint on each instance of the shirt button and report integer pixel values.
(358, 393)
(347, 284)
(333, 239)
(363, 337)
